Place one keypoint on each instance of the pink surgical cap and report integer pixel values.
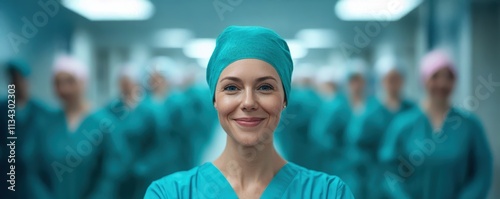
(435, 61)
(70, 65)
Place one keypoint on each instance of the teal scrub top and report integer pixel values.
(292, 135)
(69, 164)
(173, 116)
(346, 164)
(365, 135)
(206, 181)
(129, 151)
(29, 119)
(452, 162)
(374, 123)
(327, 133)
(195, 117)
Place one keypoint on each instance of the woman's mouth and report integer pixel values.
(249, 121)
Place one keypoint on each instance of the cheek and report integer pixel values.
(273, 105)
(60, 88)
(450, 84)
(225, 104)
(430, 86)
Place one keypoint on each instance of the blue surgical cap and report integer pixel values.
(250, 42)
(20, 66)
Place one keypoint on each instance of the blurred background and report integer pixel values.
(110, 35)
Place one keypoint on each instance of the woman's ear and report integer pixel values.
(215, 105)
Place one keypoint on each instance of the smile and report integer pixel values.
(249, 121)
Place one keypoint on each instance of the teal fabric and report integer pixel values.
(206, 181)
(128, 166)
(29, 119)
(420, 162)
(250, 42)
(327, 132)
(174, 127)
(331, 132)
(195, 109)
(292, 134)
(69, 164)
(365, 137)
(20, 66)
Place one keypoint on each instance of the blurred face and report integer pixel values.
(68, 88)
(21, 84)
(130, 90)
(328, 88)
(440, 86)
(127, 86)
(393, 82)
(249, 98)
(357, 85)
(158, 83)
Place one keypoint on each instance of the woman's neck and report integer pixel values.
(75, 112)
(78, 106)
(356, 100)
(435, 107)
(392, 102)
(436, 111)
(130, 101)
(247, 167)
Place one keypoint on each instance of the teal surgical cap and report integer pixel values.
(250, 42)
(20, 66)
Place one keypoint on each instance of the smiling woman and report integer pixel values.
(249, 76)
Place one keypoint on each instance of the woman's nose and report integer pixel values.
(249, 102)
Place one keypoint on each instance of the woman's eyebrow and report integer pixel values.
(261, 79)
(231, 78)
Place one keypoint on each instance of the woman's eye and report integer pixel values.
(266, 88)
(230, 88)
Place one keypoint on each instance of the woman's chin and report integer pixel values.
(249, 140)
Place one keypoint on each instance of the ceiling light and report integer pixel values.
(111, 10)
(371, 10)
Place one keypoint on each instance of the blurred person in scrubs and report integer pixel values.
(329, 123)
(371, 127)
(436, 150)
(357, 77)
(196, 109)
(293, 139)
(29, 116)
(160, 76)
(249, 75)
(328, 82)
(172, 110)
(69, 147)
(132, 158)
(358, 104)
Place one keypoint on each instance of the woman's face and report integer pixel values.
(249, 98)
(392, 83)
(158, 83)
(357, 85)
(68, 88)
(440, 86)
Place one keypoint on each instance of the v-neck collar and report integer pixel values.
(275, 189)
(428, 119)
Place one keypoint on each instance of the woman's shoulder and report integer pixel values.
(319, 182)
